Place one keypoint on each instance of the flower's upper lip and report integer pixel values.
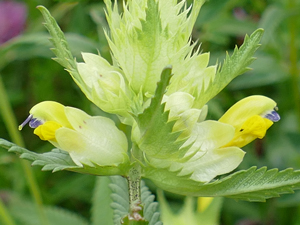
(272, 115)
(34, 123)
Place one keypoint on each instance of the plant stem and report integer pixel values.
(134, 180)
(134, 187)
(294, 73)
(11, 125)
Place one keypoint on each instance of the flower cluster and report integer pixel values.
(144, 39)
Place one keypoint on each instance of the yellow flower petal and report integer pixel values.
(247, 107)
(254, 127)
(46, 131)
(251, 118)
(50, 111)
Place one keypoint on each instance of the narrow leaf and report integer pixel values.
(61, 48)
(233, 66)
(157, 138)
(57, 160)
(147, 118)
(251, 185)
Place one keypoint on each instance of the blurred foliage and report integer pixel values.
(30, 76)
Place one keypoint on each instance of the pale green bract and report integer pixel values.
(150, 35)
(147, 37)
(158, 84)
(211, 159)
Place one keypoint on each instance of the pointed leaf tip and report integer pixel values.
(155, 128)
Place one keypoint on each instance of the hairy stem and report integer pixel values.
(134, 187)
(134, 181)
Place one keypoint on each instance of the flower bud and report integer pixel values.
(107, 84)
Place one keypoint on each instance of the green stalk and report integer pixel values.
(294, 73)
(134, 187)
(5, 216)
(11, 125)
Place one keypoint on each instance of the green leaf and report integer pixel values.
(26, 213)
(151, 212)
(101, 212)
(171, 181)
(233, 66)
(61, 50)
(120, 205)
(157, 138)
(57, 160)
(120, 197)
(150, 44)
(250, 185)
(256, 184)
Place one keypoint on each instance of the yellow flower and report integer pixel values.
(46, 117)
(88, 139)
(251, 117)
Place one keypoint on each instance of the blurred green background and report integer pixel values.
(30, 76)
